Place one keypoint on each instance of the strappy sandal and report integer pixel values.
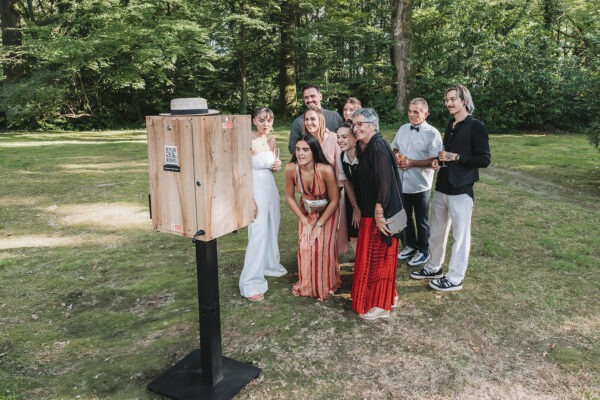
(256, 297)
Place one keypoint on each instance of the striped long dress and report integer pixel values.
(374, 281)
(318, 268)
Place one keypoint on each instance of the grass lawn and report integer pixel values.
(94, 304)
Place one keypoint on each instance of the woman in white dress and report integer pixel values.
(262, 253)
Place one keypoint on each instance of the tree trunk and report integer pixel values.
(11, 38)
(243, 66)
(287, 58)
(401, 32)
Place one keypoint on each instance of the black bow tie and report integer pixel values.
(416, 128)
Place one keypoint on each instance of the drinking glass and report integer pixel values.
(443, 164)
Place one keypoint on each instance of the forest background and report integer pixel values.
(93, 64)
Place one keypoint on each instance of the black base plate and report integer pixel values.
(184, 380)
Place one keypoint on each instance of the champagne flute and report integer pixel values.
(443, 164)
(276, 154)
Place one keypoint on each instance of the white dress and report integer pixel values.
(262, 253)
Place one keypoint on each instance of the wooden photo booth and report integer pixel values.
(200, 169)
(200, 174)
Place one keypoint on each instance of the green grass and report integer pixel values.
(73, 216)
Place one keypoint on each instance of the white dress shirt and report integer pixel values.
(417, 145)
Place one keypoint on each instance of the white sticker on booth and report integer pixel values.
(171, 155)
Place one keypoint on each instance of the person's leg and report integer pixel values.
(461, 209)
(421, 209)
(408, 234)
(252, 281)
(438, 235)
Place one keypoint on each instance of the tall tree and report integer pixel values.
(11, 38)
(287, 71)
(401, 32)
(242, 60)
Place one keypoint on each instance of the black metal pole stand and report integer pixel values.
(205, 373)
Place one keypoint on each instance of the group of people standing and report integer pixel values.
(352, 187)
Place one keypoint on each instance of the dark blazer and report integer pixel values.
(469, 139)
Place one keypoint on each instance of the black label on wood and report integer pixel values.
(174, 168)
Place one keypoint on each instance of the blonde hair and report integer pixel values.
(321, 118)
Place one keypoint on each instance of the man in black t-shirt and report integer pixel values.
(466, 149)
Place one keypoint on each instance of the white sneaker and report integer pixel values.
(418, 259)
(406, 252)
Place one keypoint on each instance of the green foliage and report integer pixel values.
(94, 63)
(593, 134)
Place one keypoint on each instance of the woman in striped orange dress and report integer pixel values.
(312, 176)
(374, 281)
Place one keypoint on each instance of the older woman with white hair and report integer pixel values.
(373, 285)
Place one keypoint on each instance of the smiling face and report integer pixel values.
(311, 122)
(348, 110)
(454, 104)
(416, 115)
(304, 155)
(264, 123)
(312, 98)
(362, 129)
(345, 139)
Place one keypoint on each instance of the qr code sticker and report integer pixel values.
(171, 155)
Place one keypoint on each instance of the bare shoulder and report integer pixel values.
(290, 168)
(325, 170)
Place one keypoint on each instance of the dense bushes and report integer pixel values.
(100, 63)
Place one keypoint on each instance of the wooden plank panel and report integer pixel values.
(214, 150)
(173, 202)
(241, 148)
(226, 175)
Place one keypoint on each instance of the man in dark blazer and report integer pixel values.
(466, 149)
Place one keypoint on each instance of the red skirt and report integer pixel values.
(374, 282)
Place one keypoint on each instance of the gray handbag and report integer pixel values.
(313, 206)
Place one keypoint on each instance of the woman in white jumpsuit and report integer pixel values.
(262, 253)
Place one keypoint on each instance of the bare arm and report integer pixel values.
(334, 197)
(353, 202)
(410, 163)
(290, 197)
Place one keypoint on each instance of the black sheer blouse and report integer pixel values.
(378, 179)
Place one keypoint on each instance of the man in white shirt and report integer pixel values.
(415, 146)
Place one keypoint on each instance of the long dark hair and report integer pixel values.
(315, 149)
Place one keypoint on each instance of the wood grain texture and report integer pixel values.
(212, 150)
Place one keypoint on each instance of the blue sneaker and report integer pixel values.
(419, 258)
(406, 253)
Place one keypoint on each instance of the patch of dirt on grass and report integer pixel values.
(154, 302)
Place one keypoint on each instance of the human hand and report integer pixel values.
(404, 163)
(316, 231)
(381, 224)
(435, 164)
(356, 217)
(306, 232)
(276, 166)
(446, 156)
(399, 158)
(255, 209)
